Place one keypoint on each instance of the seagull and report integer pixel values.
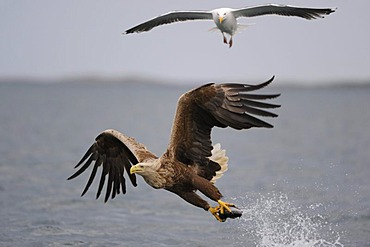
(225, 18)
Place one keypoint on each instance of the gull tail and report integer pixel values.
(242, 27)
(219, 156)
(214, 29)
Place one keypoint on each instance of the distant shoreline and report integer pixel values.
(148, 80)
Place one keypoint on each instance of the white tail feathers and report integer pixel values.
(242, 27)
(214, 29)
(239, 28)
(219, 156)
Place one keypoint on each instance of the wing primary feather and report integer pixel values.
(116, 184)
(237, 88)
(232, 124)
(123, 183)
(92, 176)
(109, 185)
(242, 108)
(126, 161)
(242, 102)
(259, 112)
(238, 97)
(256, 122)
(87, 154)
(102, 180)
(260, 96)
(83, 168)
(243, 120)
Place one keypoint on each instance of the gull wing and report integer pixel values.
(286, 10)
(170, 17)
(115, 153)
(220, 105)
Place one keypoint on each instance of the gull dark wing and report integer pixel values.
(221, 105)
(115, 153)
(170, 17)
(270, 9)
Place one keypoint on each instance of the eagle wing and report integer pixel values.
(116, 153)
(221, 105)
(287, 10)
(170, 17)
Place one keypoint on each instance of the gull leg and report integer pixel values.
(231, 42)
(225, 40)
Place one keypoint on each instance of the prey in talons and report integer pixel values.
(223, 211)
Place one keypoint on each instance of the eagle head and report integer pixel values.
(143, 169)
(150, 172)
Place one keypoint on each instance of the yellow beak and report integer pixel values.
(220, 19)
(135, 169)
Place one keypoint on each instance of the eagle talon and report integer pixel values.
(220, 210)
(224, 205)
(215, 211)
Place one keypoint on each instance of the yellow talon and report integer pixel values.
(225, 205)
(220, 209)
(214, 211)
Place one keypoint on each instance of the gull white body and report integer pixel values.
(225, 20)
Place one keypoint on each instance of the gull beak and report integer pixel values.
(136, 169)
(220, 19)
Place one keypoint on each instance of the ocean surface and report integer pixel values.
(306, 182)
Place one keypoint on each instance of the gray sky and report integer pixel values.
(51, 39)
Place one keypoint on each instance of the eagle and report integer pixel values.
(190, 163)
(225, 18)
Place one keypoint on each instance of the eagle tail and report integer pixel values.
(219, 156)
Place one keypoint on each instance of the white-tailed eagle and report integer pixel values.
(225, 18)
(190, 163)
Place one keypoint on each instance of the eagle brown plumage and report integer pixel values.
(187, 165)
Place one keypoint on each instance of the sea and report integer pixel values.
(305, 182)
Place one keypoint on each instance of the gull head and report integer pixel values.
(221, 15)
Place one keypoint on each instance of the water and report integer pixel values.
(303, 183)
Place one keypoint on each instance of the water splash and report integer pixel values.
(274, 221)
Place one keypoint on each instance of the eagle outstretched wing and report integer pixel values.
(221, 105)
(116, 153)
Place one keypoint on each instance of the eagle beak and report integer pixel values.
(220, 19)
(136, 169)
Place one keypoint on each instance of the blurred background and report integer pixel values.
(67, 73)
(68, 39)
